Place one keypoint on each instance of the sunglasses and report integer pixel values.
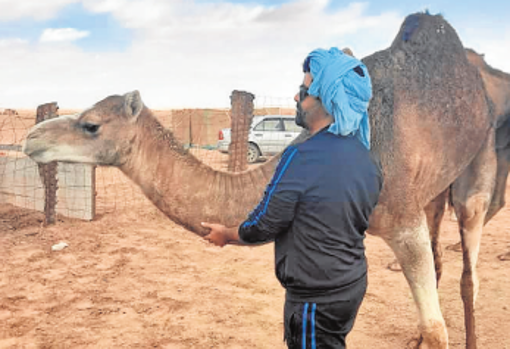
(303, 92)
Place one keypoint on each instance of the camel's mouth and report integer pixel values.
(33, 149)
(33, 146)
(44, 152)
(30, 148)
(41, 143)
(33, 154)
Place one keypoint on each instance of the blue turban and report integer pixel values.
(344, 93)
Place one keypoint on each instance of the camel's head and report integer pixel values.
(101, 135)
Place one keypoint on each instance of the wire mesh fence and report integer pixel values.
(15, 174)
(21, 182)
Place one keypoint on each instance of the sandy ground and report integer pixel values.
(137, 280)
(134, 279)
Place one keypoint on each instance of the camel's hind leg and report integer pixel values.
(412, 249)
(471, 194)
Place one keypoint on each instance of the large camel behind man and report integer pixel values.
(497, 85)
(430, 123)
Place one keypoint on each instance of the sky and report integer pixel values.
(194, 53)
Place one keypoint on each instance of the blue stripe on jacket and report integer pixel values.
(305, 318)
(314, 342)
(261, 208)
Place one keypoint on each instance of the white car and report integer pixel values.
(269, 135)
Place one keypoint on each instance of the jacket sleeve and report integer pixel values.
(275, 213)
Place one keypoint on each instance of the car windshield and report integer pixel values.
(269, 125)
(290, 125)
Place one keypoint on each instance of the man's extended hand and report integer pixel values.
(220, 235)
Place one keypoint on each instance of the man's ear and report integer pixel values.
(133, 104)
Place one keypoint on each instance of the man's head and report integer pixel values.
(310, 113)
(336, 91)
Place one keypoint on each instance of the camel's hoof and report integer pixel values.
(504, 256)
(414, 343)
(394, 266)
(456, 247)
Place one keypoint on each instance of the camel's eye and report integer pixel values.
(90, 128)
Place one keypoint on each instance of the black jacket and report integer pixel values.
(316, 209)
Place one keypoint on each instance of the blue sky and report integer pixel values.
(185, 53)
(106, 33)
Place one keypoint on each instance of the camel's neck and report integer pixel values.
(497, 84)
(185, 189)
(502, 99)
(505, 109)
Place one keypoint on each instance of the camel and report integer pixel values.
(497, 84)
(423, 85)
(421, 100)
(503, 155)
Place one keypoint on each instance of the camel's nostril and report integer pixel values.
(29, 143)
(30, 137)
(25, 148)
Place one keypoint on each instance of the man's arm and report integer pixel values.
(274, 213)
(221, 235)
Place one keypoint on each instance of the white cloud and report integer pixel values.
(305, 20)
(35, 9)
(189, 54)
(62, 34)
(496, 48)
(12, 43)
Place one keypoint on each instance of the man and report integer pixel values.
(318, 203)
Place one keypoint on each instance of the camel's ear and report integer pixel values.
(133, 104)
(348, 51)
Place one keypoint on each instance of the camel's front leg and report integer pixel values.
(411, 246)
(471, 195)
(434, 212)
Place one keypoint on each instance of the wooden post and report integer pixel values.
(241, 119)
(48, 172)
